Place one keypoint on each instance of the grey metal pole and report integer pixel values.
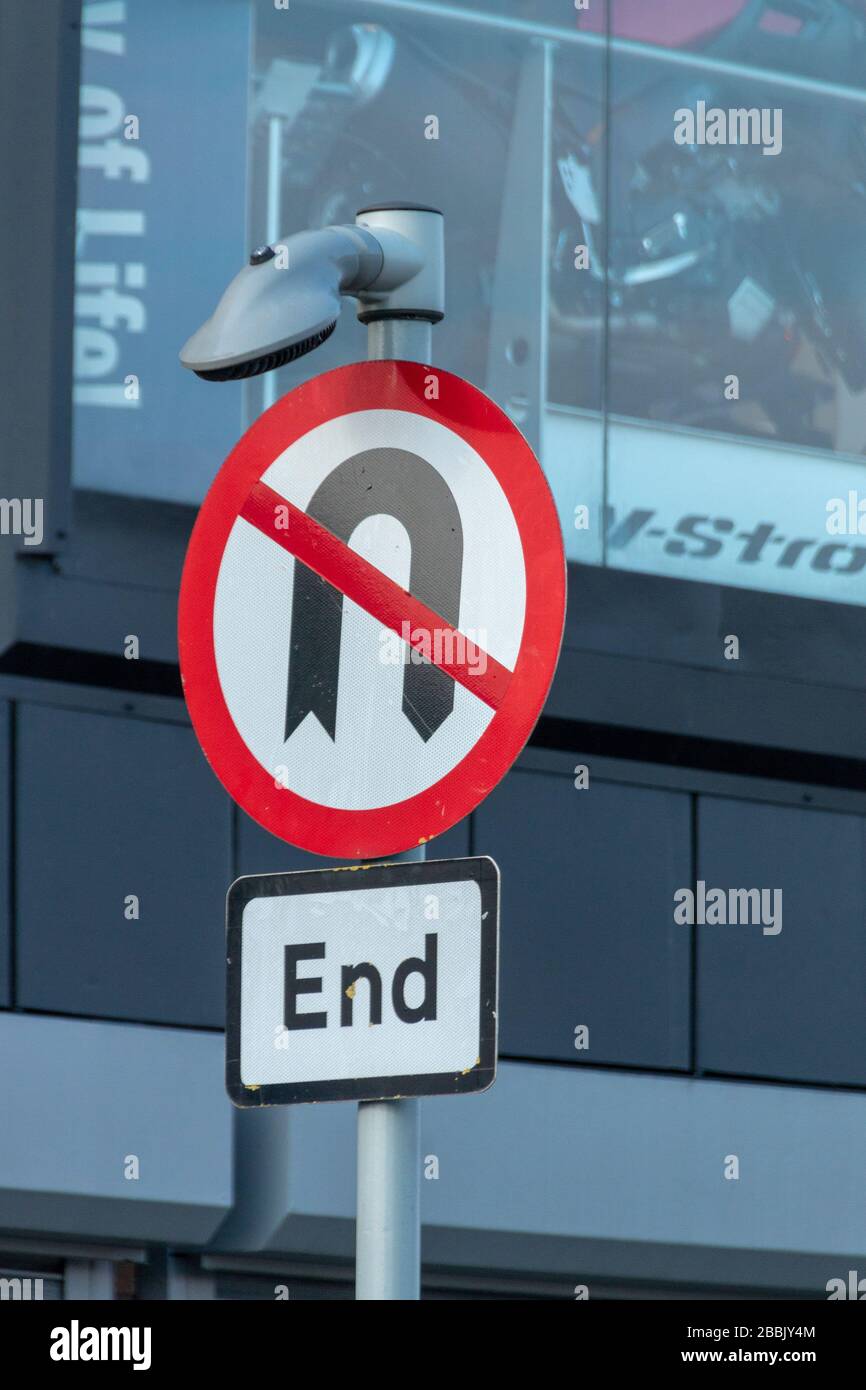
(273, 223)
(388, 1221)
(410, 340)
(388, 1238)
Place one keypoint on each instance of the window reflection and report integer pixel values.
(655, 218)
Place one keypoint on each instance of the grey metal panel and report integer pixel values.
(39, 49)
(5, 877)
(654, 618)
(645, 652)
(580, 1152)
(39, 96)
(789, 1005)
(550, 1171)
(124, 540)
(642, 693)
(78, 1097)
(588, 935)
(70, 694)
(56, 611)
(674, 776)
(258, 852)
(111, 807)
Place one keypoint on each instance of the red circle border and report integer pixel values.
(376, 833)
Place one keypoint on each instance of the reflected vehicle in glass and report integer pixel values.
(726, 211)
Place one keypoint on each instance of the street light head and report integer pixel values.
(287, 300)
(283, 304)
(266, 362)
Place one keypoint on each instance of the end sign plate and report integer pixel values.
(362, 983)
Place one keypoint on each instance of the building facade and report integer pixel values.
(654, 267)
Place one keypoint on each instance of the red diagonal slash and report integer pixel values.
(315, 546)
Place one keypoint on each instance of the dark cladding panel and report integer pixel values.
(588, 937)
(787, 1003)
(109, 808)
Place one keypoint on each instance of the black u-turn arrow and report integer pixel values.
(397, 483)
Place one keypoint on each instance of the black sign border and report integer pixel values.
(478, 869)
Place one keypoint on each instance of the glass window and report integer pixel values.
(467, 110)
(654, 221)
(736, 333)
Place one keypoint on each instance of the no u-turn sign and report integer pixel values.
(371, 609)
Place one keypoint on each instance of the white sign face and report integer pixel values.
(362, 984)
(254, 624)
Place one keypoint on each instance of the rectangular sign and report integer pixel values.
(362, 983)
